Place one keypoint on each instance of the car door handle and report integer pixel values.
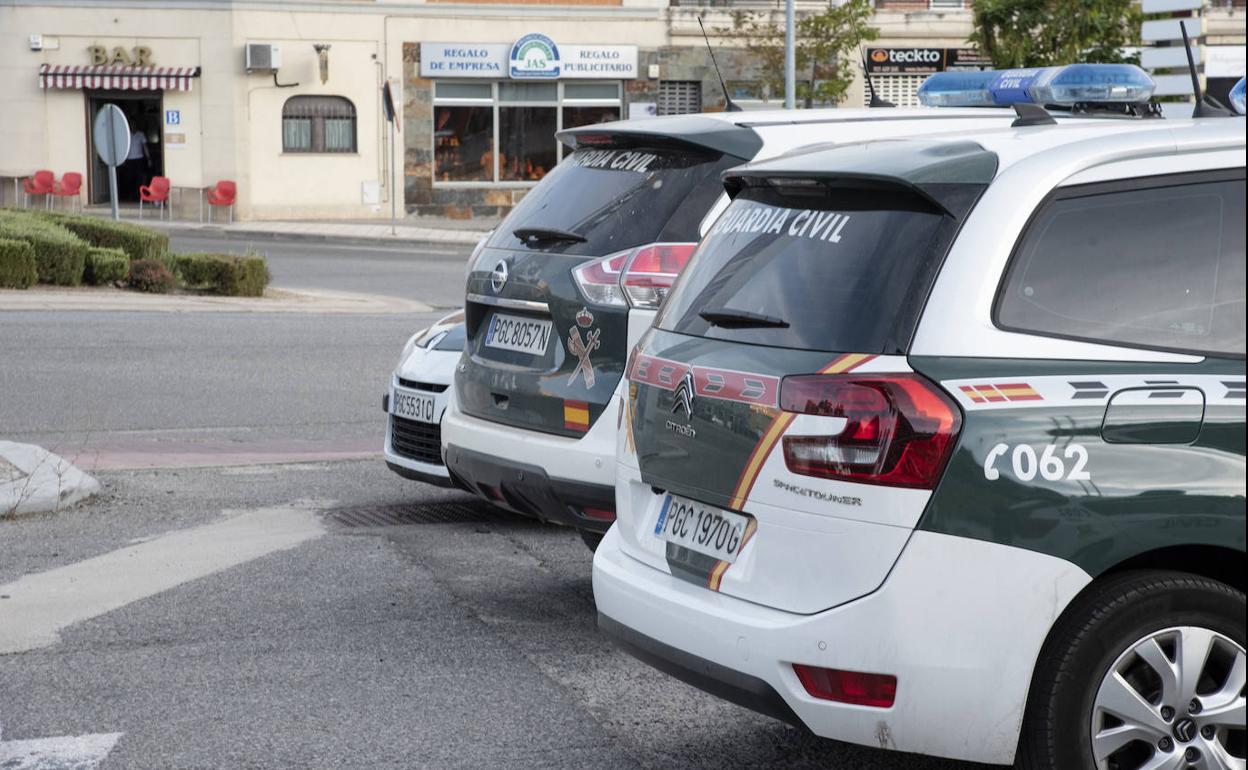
(1161, 414)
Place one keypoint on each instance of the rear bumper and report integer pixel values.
(959, 622)
(731, 685)
(548, 477)
(527, 489)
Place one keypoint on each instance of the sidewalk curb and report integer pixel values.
(43, 482)
(447, 238)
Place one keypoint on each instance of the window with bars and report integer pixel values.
(679, 97)
(318, 124)
(901, 90)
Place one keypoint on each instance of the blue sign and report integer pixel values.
(1010, 86)
(173, 117)
(534, 56)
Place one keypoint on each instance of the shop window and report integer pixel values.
(463, 144)
(318, 124)
(505, 132)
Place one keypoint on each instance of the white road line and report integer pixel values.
(66, 752)
(41, 604)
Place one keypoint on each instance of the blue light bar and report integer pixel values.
(957, 89)
(1237, 96)
(1067, 85)
(1074, 83)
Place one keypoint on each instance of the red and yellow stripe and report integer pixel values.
(779, 424)
(717, 572)
(996, 393)
(576, 415)
(1019, 391)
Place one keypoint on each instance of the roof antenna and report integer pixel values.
(729, 104)
(1206, 106)
(876, 101)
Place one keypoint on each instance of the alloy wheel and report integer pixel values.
(1174, 700)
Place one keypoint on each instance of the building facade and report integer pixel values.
(285, 98)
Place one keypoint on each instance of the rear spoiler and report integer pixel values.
(939, 171)
(693, 131)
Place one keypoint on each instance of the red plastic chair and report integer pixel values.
(222, 194)
(157, 192)
(39, 184)
(70, 187)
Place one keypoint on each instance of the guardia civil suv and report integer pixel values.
(938, 444)
(572, 277)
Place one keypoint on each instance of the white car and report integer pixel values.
(938, 443)
(564, 288)
(417, 398)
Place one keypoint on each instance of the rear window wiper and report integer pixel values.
(739, 319)
(540, 234)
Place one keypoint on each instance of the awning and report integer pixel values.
(117, 78)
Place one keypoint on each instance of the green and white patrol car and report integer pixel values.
(938, 446)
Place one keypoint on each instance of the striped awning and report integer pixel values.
(107, 78)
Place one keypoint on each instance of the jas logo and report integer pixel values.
(683, 397)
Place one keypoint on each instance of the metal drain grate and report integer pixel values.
(400, 514)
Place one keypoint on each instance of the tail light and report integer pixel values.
(899, 428)
(599, 280)
(640, 277)
(858, 689)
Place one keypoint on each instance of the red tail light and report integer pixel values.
(878, 690)
(652, 270)
(899, 428)
(599, 280)
(640, 277)
(601, 514)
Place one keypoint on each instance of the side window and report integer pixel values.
(318, 124)
(1155, 267)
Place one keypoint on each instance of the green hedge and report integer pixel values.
(137, 241)
(60, 256)
(17, 264)
(105, 266)
(152, 276)
(225, 274)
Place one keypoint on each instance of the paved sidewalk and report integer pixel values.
(409, 230)
(273, 301)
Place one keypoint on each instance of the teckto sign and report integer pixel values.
(117, 56)
(923, 61)
(533, 56)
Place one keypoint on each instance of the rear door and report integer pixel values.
(774, 395)
(545, 350)
(1099, 461)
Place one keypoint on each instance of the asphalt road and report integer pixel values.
(449, 636)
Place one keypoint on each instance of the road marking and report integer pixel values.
(65, 752)
(42, 604)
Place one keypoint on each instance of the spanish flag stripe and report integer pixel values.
(576, 415)
(779, 424)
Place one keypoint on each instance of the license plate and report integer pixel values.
(514, 332)
(702, 528)
(412, 405)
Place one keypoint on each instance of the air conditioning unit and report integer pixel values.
(263, 57)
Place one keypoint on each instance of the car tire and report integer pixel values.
(1105, 627)
(592, 539)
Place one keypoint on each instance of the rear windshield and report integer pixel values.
(619, 198)
(841, 270)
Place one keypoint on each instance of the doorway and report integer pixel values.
(143, 111)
